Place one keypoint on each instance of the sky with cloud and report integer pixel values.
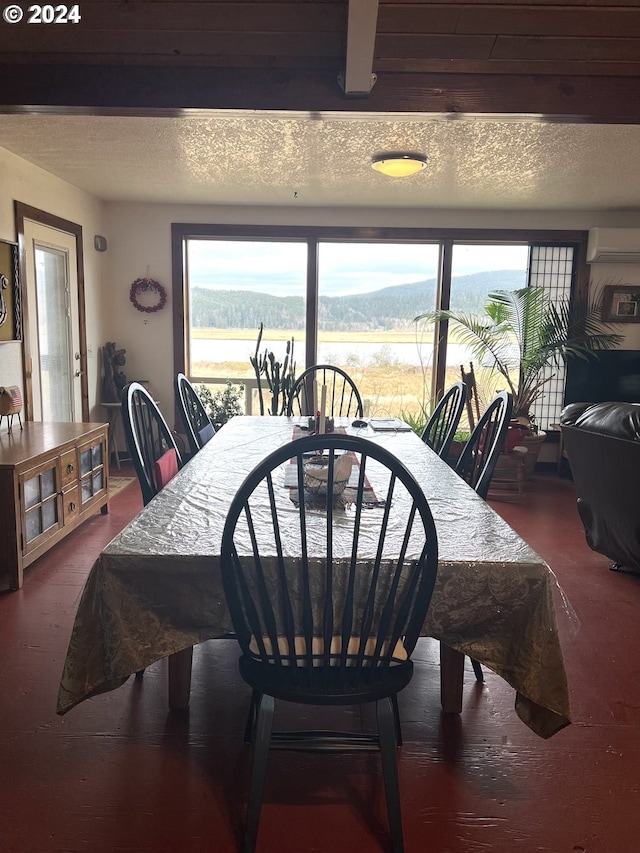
(345, 268)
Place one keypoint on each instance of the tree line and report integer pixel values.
(390, 308)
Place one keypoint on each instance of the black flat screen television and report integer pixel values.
(613, 375)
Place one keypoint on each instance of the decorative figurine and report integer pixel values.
(10, 405)
(114, 379)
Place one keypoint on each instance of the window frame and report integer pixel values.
(313, 234)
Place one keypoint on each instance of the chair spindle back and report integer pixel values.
(147, 435)
(342, 396)
(480, 455)
(443, 423)
(298, 600)
(193, 414)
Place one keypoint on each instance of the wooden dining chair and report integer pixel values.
(443, 423)
(328, 626)
(196, 421)
(150, 443)
(480, 455)
(342, 395)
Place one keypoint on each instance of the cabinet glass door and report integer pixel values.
(41, 503)
(91, 471)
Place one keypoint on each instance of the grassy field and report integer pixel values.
(382, 337)
(386, 391)
(388, 388)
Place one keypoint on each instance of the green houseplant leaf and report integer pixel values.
(522, 332)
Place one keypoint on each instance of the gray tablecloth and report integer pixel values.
(156, 588)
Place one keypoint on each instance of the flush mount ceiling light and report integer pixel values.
(399, 164)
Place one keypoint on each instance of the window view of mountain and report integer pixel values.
(390, 308)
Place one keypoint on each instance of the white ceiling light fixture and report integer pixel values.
(399, 164)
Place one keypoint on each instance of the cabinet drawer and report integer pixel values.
(68, 467)
(70, 505)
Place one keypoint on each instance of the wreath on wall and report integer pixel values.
(145, 286)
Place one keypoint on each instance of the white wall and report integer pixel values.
(604, 274)
(139, 243)
(21, 181)
(140, 240)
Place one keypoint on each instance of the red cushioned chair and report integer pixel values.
(151, 445)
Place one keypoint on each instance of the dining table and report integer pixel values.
(156, 589)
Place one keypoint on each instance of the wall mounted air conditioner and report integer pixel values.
(613, 246)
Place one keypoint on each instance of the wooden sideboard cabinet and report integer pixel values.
(52, 477)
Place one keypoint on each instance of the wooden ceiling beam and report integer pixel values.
(361, 38)
(612, 4)
(513, 67)
(159, 46)
(513, 19)
(93, 87)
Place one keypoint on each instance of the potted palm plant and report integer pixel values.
(524, 332)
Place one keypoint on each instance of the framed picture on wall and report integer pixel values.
(621, 303)
(10, 313)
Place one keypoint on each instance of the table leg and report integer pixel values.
(451, 679)
(180, 679)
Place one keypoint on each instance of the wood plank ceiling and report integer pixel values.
(574, 60)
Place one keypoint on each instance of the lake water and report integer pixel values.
(336, 352)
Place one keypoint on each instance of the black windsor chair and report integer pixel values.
(480, 455)
(478, 459)
(443, 423)
(151, 446)
(343, 397)
(150, 443)
(328, 628)
(196, 421)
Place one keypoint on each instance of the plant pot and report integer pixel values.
(454, 452)
(513, 469)
(533, 443)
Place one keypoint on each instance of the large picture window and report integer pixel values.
(231, 287)
(476, 271)
(368, 297)
(351, 302)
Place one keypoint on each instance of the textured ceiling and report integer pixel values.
(253, 158)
